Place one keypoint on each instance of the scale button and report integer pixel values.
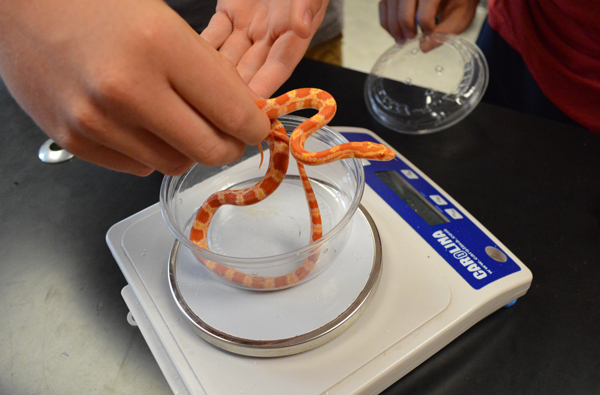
(496, 254)
(453, 213)
(438, 199)
(410, 174)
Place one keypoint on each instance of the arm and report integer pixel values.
(126, 85)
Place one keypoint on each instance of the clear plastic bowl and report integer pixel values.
(270, 238)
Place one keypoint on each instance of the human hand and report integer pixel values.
(126, 85)
(397, 17)
(264, 39)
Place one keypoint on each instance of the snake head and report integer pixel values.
(374, 151)
(386, 154)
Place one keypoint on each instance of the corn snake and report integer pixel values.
(279, 147)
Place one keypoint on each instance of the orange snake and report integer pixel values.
(280, 146)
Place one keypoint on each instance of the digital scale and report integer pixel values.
(416, 272)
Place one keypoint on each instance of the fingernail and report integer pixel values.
(307, 20)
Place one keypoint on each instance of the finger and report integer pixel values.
(455, 20)
(253, 60)
(218, 29)
(235, 46)
(383, 16)
(175, 122)
(398, 18)
(234, 73)
(91, 127)
(144, 148)
(392, 23)
(405, 19)
(89, 151)
(212, 90)
(283, 57)
(303, 13)
(426, 13)
(113, 160)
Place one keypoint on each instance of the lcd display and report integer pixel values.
(412, 197)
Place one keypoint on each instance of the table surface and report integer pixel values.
(533, 183)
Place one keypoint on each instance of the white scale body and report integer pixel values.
(442, 272)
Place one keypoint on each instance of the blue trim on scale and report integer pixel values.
(459, 241)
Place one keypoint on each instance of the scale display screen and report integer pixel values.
(437, 219)
(412, 197)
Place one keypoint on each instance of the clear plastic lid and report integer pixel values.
(426, 84)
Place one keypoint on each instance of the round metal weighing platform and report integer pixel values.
(286, 322)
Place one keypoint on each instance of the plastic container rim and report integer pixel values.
(389, 122)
